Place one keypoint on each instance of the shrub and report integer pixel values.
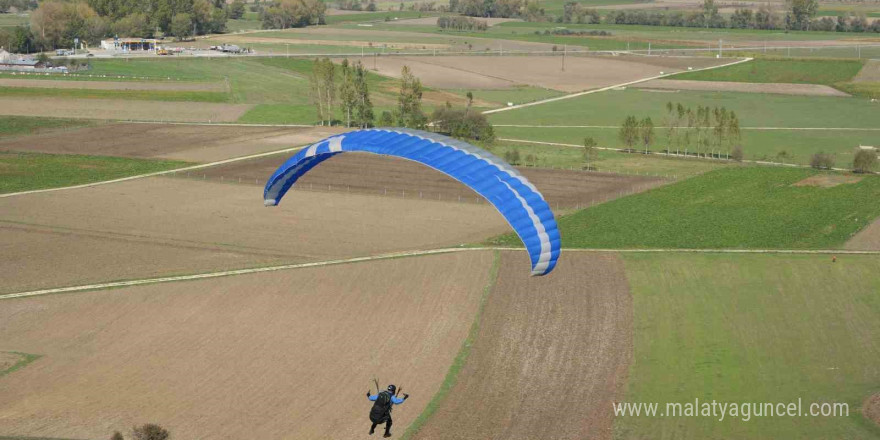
(864, 161)
(737, 153)
(150, 431)
(512, 156)
(822, 161)
(117, 436)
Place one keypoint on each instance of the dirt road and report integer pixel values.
(551, 355)
(281, 355)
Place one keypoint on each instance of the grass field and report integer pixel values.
(129, 95)
(29, 171)
(734, 207)
(753, 328)
(757, 144)
(549, 156)
(753, 110)
(23, 125)
(827, 72)
(12, 20)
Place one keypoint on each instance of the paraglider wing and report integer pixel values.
(515, 197)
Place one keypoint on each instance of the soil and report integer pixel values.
(871, 408)
(499, 72)
(726, 86)
(123, 110)
(114, 85)
(193, 143)
(147, 227)
(869, 73)
(275, 355)
(381, 175)
(551, 356)
(867, 239)
(828, 180)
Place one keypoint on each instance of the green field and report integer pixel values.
(827, 72)
(12, 20)
(130, 95)
(753, 328)
(734, 207)
(757, 144)
(26, 125)
(29, 171)
(367, 17)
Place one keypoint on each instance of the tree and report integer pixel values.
(590, 153)
(387, 119)
(800, 13)
(462, 124)
(322, 81)
(150, 432)
(347, 92)
(236, 9)
(646, 132)
(18, 40)
(822, 161)
(629, 131)
(133, 25)
(363, 106)
(182, 26)
(409, 102)
(864, 161)
(511, 156)
(737, 153)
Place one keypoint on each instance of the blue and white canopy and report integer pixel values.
(515, 197)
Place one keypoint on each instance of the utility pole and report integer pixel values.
(649, 48)
(720, 48)
(564, 50)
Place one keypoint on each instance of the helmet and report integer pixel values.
(392, 389)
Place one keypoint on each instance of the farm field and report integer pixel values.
(275, 335)
(574, 340)
(17, 125)
(753, 328)
(748, 87)
(29, 171)
(107, 109)
(112, 85)
(758, 144)
(737, 207)
(375, 175)
(213, 217)
(826, 72)
(868, 239)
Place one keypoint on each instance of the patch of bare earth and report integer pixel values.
(828, 180)
(114, 109)
(275, 355)
(147, 227)
(726, 86)
(871, 408)
(551, 355)
(114, 85)
(869, 73)
(380, 175)
(195, 143)
(867, 239)
(495, 72)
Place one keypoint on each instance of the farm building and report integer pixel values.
(15, 62)
(129, 44)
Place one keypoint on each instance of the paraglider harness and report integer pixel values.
(381, 410)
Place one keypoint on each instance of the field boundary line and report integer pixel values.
(225, 273)
(154, 174)
(587, 92)
(405, 254)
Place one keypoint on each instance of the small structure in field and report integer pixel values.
(130, 44)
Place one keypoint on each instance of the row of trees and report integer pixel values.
(351, 95)
(703, 131)
(56, 23)
(17, 5)
(799, 15)
(525, 9)
(283, 14)
(864, 161)
(462, 23)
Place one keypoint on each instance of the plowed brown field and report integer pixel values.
(195, 143)
(123, 110)
(151, 226)
(380, 175)
(275, 355)
(551, 356)
(867, 239)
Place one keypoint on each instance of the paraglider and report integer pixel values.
(513, 195)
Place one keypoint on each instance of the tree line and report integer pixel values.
(459, 23)
(703, 131)
(525, 9)
(283, 14)
(345, 90)
(7, 6)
